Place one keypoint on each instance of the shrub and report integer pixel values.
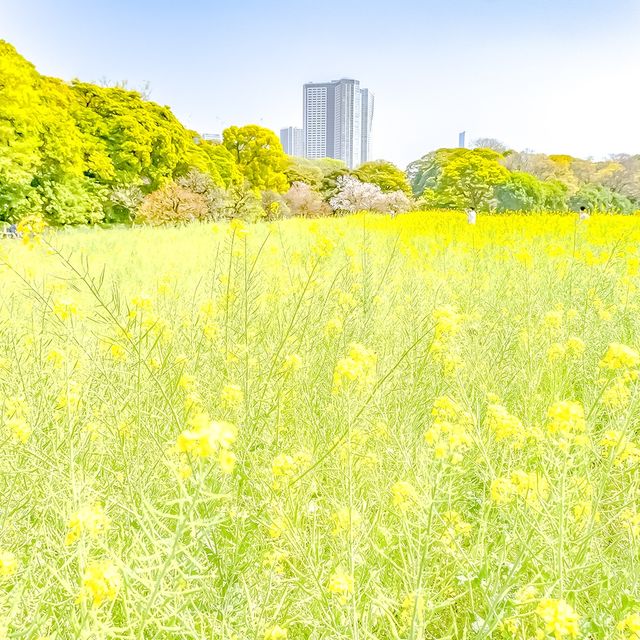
(274, 205)
(219, 200)
(245, 203)
(305, 201)
(124, 201)
(172, 204)
(396, 202)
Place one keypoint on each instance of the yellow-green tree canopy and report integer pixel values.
(458, 178)
(469, 177)
(64, 148)
(39, 142)
(138, 142)
(385, 174)
(259, 154)
(313, 171)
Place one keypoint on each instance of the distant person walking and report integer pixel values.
(583, 215)
(471, 215)
(10, 232)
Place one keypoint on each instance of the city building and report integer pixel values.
(367, 119)
(215, 137)
(337, 120)
(462, 139)
(292, 141)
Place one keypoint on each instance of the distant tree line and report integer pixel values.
(78, 153)
(506, 180)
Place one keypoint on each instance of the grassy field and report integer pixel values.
(365, 428)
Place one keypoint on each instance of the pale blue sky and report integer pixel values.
(559, 76)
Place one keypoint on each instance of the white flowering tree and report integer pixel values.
(354, 195)
(305, 201)
(396, 202)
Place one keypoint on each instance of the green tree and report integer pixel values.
(315, 171)
(521, 192)
(490, 143)
(423, 174)
(71, 200)
(468, 178)
(144, 142)
(259, 156)
(221, 163)
(64, 146)
(329, 186)
(554, 195)
(21, 110)
(304, 170)
(385, 174)
(597, 198)
(42, 164)
(524, 192)
(20, 113)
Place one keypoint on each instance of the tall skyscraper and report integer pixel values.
(462, 139)
(337, 121)
(367, 119)
(319, 105)
(292, 141)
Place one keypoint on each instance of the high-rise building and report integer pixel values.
(337, 121)
(367, 119)
(292, 141)
(212, 137)
(319, 104)
(462, 139)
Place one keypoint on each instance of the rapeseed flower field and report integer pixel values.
(368, 428)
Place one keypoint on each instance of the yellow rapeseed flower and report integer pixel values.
(275, 633)
(344, 520)
(504, 425)
(341, 584)
(630, 626)
(448, 321)
(8, 563)
(560, 619)
(226, 461)
(575, 346)
(65, 308)
(231, 394)
(449, 435)
(566, 423)
(357, 367)
(206, 438)
(624, 450)
(556, 352)
(413, 605)
(90, 518)
(57, 357)
(334, 326)
(553, 319)
(19, 428)
(291, 363)
(100, 582)
(403, 495)
(278, 526)
(620, 356)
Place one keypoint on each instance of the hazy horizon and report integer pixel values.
(555, 77)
